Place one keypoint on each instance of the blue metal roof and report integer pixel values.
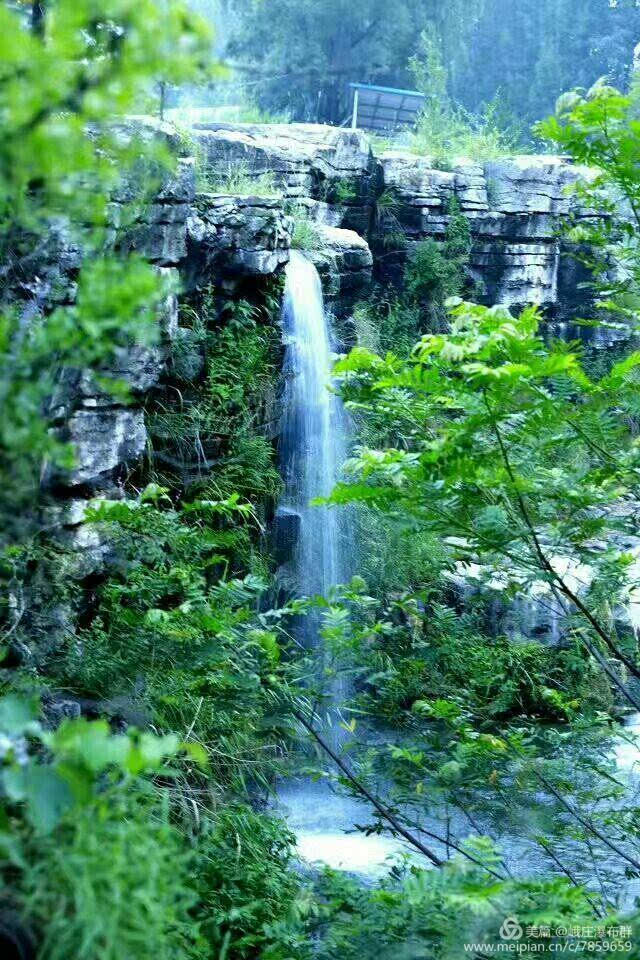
(385, 108)
(372, 86)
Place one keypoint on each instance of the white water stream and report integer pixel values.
(314, 437)
(313, 447)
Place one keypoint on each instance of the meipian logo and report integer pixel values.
(511, 929)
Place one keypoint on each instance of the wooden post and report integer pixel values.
(163, 97)
(354, 118)
(38, 14)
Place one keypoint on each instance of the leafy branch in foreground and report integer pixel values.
(66, 152)
(511, 453)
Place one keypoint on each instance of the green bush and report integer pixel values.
(437, 271)
(252, 903)
(306, 235)
(114, 882)
(442, 655)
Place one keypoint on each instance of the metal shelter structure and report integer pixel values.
(384, 108)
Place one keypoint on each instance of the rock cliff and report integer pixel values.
(514, 204)
(209, 241)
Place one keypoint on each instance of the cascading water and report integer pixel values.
(314, 442)
(314, 436)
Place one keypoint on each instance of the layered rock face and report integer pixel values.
(197, 240)
(345, 264)
(237, 236)
(334, 167)
(222, 241)
(514, 206)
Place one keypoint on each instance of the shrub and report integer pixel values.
(306, 235)
(252, 903)
(436, 271)
(237, 180)
(113, 885)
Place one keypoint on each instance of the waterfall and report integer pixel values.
(314, 441)
(314, 437)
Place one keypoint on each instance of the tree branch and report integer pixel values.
(544, 561)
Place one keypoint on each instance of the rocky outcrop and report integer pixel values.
(332, 177)
(230, 237)
(160, 231)
(513, 205)
(327, 164)
(345, 264)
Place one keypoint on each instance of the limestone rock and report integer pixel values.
(427, 190)
(298, 155)
(513, 205)
(533, 184)
(345, 264)
(328, 164)
(104, 442)
(237, 236)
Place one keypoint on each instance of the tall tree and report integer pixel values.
(532, 52)
(305, 53)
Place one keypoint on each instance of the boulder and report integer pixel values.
(104, 442)
(285, 534)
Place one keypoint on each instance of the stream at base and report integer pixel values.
(326, 822)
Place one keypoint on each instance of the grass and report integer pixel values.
(237, 179)
(306, 235)
(450, 132)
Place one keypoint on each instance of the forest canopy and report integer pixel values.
(297, 57)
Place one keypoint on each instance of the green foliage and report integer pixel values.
(96, 866)
(342, 190)
(436, 272)
(446, 131)
(116, 882)
(434, 653)
(105, 862)
(242, 375)
(176, 638)
(599, 128)
(392, 320)
(238, 180)
(387, 322)
(568, 42)
(515, 456)
(222, 419)
(439, 914)
(252, 904)
(306, 235)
